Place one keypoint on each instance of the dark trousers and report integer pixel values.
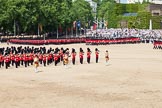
(26, 63)
(19, 63)
(40, 61)
(12, 62)
(50, 61)
(16, 64)
(56, 61)
(22, 62)
(96, 59)
(73, 61)
(81, 60)
(88, 60)
(44, 62)
(7, 65)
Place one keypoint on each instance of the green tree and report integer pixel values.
(82, 11)
(107, 11)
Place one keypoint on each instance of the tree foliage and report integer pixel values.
(107, 12)
(27, 15)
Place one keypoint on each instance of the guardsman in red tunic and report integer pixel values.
(25, 58)
(88, 55)
(56, 58)
(50, 56)
(81, 53)
(73, 55)
(31, 58)
(40, 58)
(17, 60)
(7, 60)
(48, 59)
(59, 57)
(44, 59)
(97, 54)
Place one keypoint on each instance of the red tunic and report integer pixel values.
(26, 58)
(1, 58)
(61, 53)
(44, 58)
(81, 55)
(31, 57)
(97, 54)
(41, 57)
(21, 57)
(55, 57)
(48, 57)
(17, 59)
(12, 57)
(88, 54)
(7, 59)
(73, 55)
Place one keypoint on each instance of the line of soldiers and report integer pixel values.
(157, 46)
(19, 56)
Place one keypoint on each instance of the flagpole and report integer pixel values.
(57, 32)
(150, 27)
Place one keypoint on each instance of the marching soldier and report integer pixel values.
(97, 54)
(48, 59)
(61, 54)
(7, 61)
(88, 55)
(31, 58)
(21, 59)
(73, 54)
(56, 58)
(17, 60)
(81, 53)
(44, 59)
(40, 58)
